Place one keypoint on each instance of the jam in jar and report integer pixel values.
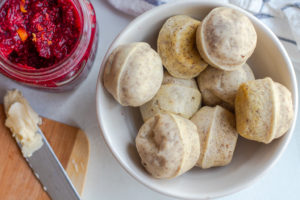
(47, 43)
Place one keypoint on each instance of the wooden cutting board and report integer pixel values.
(17, 181)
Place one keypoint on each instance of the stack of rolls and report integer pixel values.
(197, 93)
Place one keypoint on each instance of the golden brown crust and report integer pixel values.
(261, 110)
(176, 45)
(255, 110)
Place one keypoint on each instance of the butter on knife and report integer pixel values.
(23, 122)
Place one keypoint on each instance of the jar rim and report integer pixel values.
(65, 65)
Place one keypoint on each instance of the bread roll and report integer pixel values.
(168, 145)
(264, 110)
(218, 136)
(178, 96)
(226, 38)
(176, 45)
(219, 87)
(133, 74)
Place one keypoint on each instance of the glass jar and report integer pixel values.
(70, 71)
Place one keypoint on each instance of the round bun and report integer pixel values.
(264, 110)
(226, 38)
(219, 87)
(176, 46)
(218, 136)
(178, 96)
(168, 145)
(133, 74)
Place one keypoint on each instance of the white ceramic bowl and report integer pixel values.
(251, 159)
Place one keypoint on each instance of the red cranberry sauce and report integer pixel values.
(38, 33)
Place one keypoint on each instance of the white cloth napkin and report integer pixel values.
(282, 17)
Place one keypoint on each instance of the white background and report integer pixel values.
(106, 179)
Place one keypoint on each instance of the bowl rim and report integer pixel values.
(253, 19)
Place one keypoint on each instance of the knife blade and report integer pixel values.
(51, 174)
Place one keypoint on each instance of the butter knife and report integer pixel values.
(48, 169)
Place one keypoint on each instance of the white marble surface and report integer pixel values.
(106, 179)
